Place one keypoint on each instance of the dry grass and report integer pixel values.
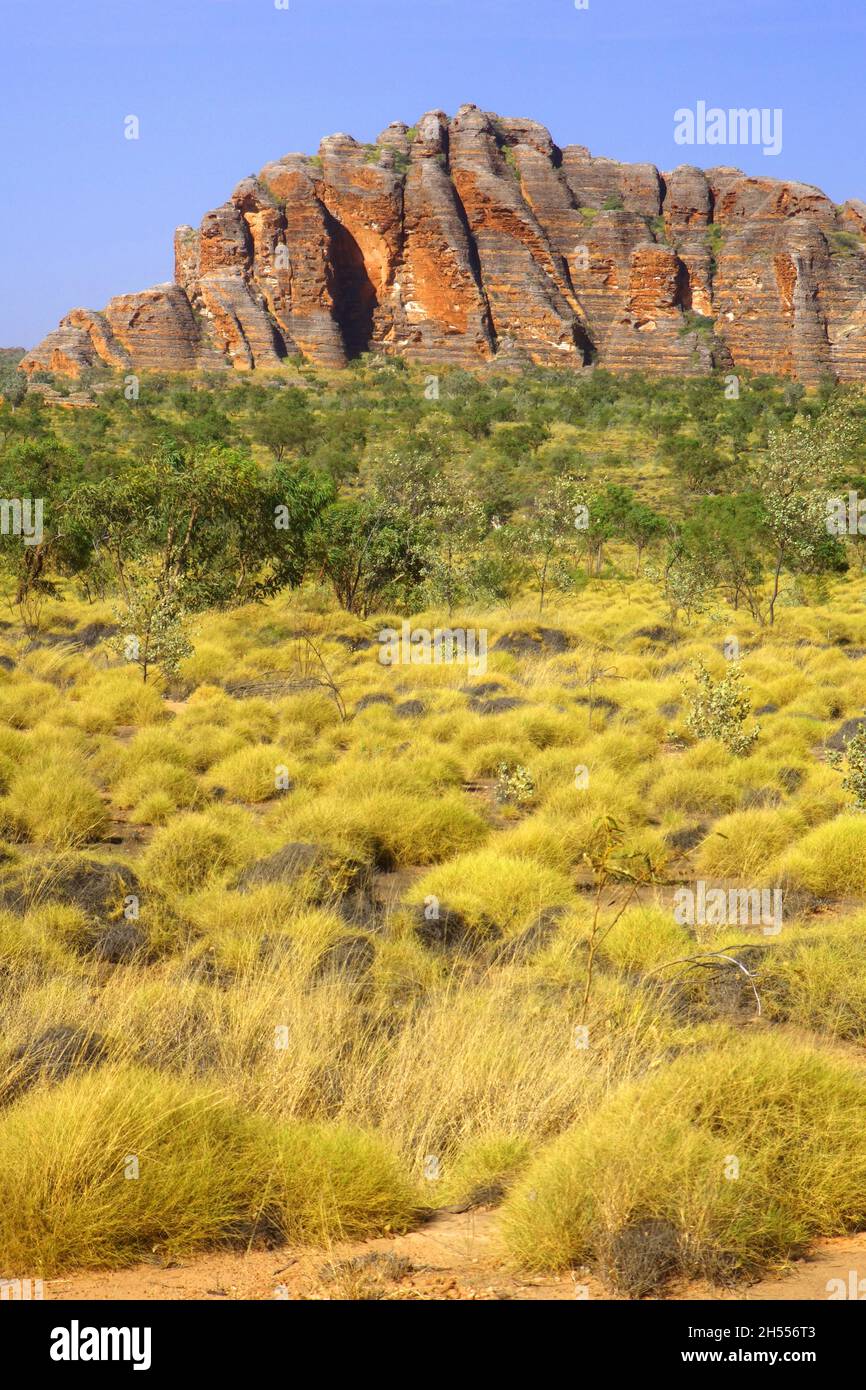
(743, 1154)
(465, 1056)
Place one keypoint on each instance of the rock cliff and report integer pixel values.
(476, 239)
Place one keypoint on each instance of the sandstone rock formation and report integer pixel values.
(476, 240)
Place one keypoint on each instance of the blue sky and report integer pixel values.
(222, 86)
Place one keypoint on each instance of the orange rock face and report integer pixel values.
(476, 239)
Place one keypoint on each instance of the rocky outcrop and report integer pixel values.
(154, 329)
(475, 240)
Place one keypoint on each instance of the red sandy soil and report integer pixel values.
(453, 1257)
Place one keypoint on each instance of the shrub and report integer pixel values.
(60, 809)
(198, 847)
(483, 1170)
(745, 843)
(250, 773)
(819, 982)
(747, 1152)
(719, 708)
(854, 762)
(830, 860)
(515, 784)
(206, 1172)
(388, 828)
(490, 889)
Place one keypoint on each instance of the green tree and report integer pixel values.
(726, 533)
(286, 425)
(799, 458)
(40, 476)
(694, 461)
(202, 529)
(641, 527)
(685, 579)
(370, 552)
(551, 530)
(13, 384)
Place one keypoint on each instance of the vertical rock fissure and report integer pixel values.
(475, 265)
(355, 298)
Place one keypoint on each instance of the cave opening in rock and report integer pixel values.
(355, 299)
(683, 290)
